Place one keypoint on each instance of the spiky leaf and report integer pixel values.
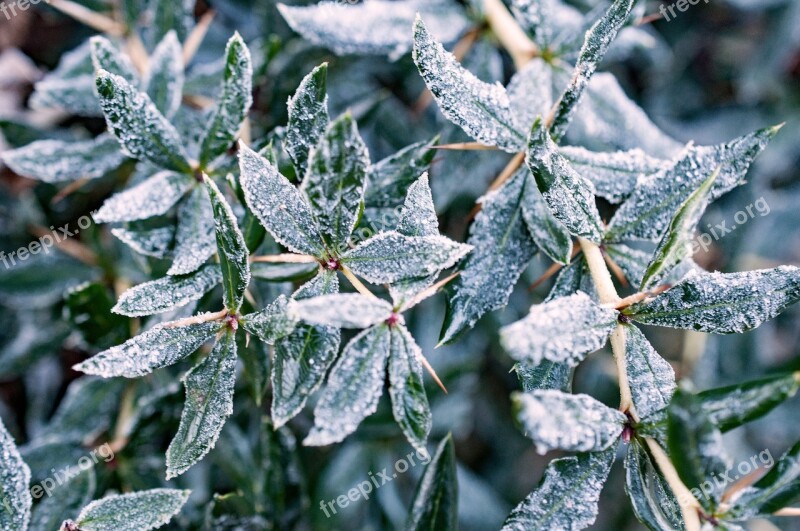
(308, 117)
(166, 293)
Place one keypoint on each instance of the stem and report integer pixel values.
(789, 511)
(360, 287)
(688, 503)
(286, 258)
(600, 275)
(514, 40)
(466, 146)
(197, 319)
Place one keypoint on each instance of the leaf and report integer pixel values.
(150, 242)
(142, 131)
(354, 386)
(372, 28)
(209, 403)
(779, 488)
(278, 205)
(568, 495)
(165, 78)
(138, 511)
(15, 476)
(107, 56)
(77, 492)
(342, 310)
(481, 109)
(55, 161)
(569, 196)
(70, 86)
(389, 179)
(650, 377)
(167, 293)
(234, 257)
(407, 389)
(169, 15)
(303, 357)
(544, 375)
(544, 414)
(195, 237)
(150, 198)
(651, 497)
(530, 92)
(564, 330)
(501, 250)
(390, 256)
(159, 347)
(272, 323)
(549, 233)
(308, 117)
(435, 504)
(283, 271)
(722, 303)
(676, 245)
(633, 262)
(648, 211)
(335, 180)
(71, 423)
(233, 103)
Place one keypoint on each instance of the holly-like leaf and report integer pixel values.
(568, 495)
(353, 389)
(54, 161)
(308, 117)
(544, 413)
(166, 293)
(107, 56)
(233, 102)
(150, 198)
(342, 310)
(722, 303)
(779, 488)
(544, 375)
(209, 403)
(650, 377)
(407, 390)
(15, 476)
(159, 347)
(651, 497)
(564, 330)
(142, 511)
(435, 504)
(143, 131)
(549, 233)
(272, 323)
(195, 237)
(165, 78)
(149, 242)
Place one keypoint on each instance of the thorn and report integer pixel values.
(424, 361)
(68, 190)
(421, 296)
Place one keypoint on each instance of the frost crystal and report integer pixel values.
(167, 293)
(153, 197)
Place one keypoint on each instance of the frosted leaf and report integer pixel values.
(278, 205)
(272, 323)
(774, 491)
(342, 310)
(482, 110)
(535, 17)
(168, 293)
(549, 233)
(544, 375)
(563, 330)
(308, 117)
(78, 492)
(283, 271)
(562, 421)
(651, 378)
(70, 86)
(614, 174)
(389, 179)
(633, 262)
(54, 161)
(567, 497)
(353, 389)
(143, 131)
(233, 102)
(15, 476)
(158, 347)
(303, 357)
(170, 15)
(574, 277)
(373, 27)
(137, 511)
(165, 78)
(569, 195)
(150, 198)
(234, 258)
(435, 504)
(390, 256)
(722, 303)
(407, 390)
(530, 92)
(502, 249)
(150, 242)
(335, 181)
(651, 497)
(209, 403)
(647, 213)
(107, 56)
(195, 239)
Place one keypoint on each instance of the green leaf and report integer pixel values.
(390, 256)
(152, 197)
(650, 377)
(233, 103)
(149, 242)
(70, 86)
(544, 375)
(342, 310)
(308, 117)
(336, 178)
(138, 511)
(165, 78)
(633, 262)
(234, 258)
(71, 423)
(272, 323)
(15, 476)
(779, 488)
(389, 179)
(68, 500)
(55, 161)
(569, 196)
(549, 233)
(530, 92)
(568, 495)
(171, 15)
(407, 389)
(354, 387)
(167, 293)
(159, 347)
(435, 504)
(143, 131)
(209, 403)
(722, 303)
(107, 56)
(651, 497)
(544, 413)
(564, 330)
(195, 237)
(279, 206)
(501, 250)
(283, 271)
(676, 245)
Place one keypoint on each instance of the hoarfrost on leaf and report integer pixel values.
(150, 198)
(167, 293)
(165, 77)
(407, 390)
(195, 239)
(650, 377)
(141, 511)
(151, 242)
(15, 476)
(549, 233)
(308, 117)
(272, 323)
(342, 310)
